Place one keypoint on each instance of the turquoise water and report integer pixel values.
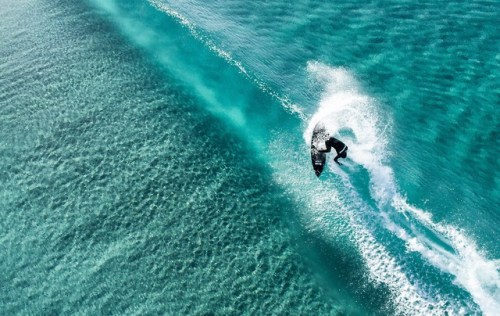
(155, 158)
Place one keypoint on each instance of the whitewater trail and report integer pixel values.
(346, 111)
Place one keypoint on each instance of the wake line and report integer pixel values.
(284, 101)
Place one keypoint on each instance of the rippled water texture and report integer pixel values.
(154, 158)
(119, 195)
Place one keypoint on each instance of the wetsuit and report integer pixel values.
(339, 147)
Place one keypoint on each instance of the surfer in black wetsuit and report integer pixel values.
(339, 147)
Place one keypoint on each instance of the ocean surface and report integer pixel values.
(154, 157)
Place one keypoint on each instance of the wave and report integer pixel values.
(354, 115)
(345, 110)
(198, 34)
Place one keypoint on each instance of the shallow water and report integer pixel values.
(155, 157)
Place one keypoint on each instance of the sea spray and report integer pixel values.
(445, 247)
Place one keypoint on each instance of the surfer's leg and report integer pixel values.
(343, 154)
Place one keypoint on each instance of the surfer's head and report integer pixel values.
(343, 155)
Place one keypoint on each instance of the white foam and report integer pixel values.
(344, 107)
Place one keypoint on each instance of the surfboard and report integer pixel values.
(319, 136)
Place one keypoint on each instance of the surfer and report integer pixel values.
(339, 147)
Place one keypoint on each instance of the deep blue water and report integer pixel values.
(155, 157)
